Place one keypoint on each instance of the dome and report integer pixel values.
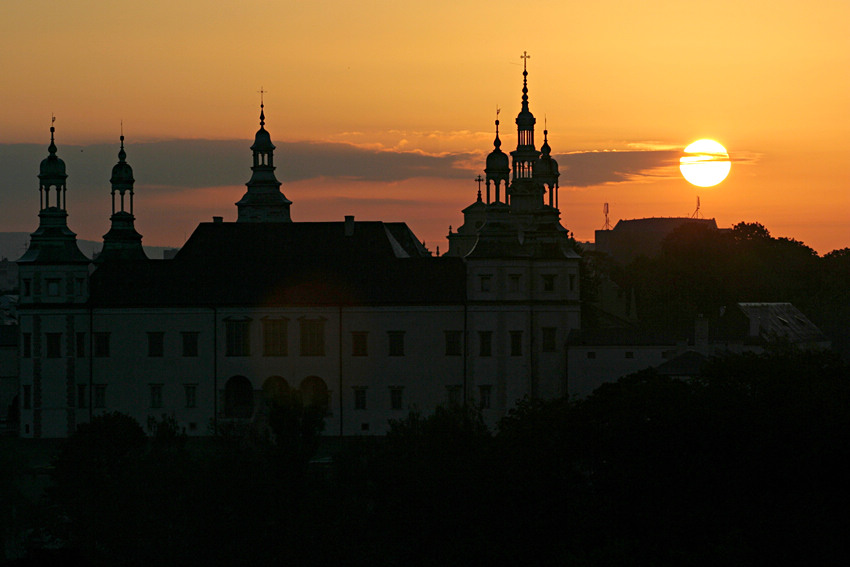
(52, 166)
(122, 173)
(262, 141)
(497, 160)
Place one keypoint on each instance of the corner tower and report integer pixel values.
(263, 202)
(122, 242)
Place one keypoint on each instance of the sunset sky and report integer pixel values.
(385, 109)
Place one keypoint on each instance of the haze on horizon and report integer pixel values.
(386, 111)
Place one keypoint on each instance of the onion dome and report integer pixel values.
(262, 139)
(52, 167)
(525, 119)
(122, 173)
(546, 166)
(497, 160)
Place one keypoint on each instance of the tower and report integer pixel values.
(122, 242)
(525, 194)
(263, 202)
(498, 168)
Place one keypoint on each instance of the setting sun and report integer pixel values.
(705, 163)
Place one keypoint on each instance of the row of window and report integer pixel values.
(454, 394)
(275, 341)
(54, 286)
(548, 282)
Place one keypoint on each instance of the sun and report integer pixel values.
(705, 163)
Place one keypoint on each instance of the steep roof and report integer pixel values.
(252, 264)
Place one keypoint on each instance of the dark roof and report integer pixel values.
(632, 336)
(287, 264)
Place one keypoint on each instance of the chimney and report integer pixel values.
(349, 225)
(218, 219)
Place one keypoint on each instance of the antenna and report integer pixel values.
(607, 225)
(696, 214)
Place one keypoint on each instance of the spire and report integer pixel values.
(525, 154)
(263, 201)
(498, 167)
(122, 242)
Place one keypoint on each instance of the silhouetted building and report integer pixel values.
(642, 237)
(358, 316)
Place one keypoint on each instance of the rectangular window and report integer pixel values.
(312, 337)
(486, 283)
(454, 394)
(454, 343)
(238, 338)
(275, 337)
(516, 343)
(26, 345)
(190, 343)
(100, 396)
(53, 287)
(54, 345)
(359, 398)
(630, 354)
(156, 396)
(101, 345)
(359, 343)
(513, 282)
(27, 401)
(82, 397)
(485, 343)
(396, 397)
(549, 335)
(81, 345)
(484, 396)
(80, 286)
(191, 391)
(156, 343)
(548, 282)
(27, 283)
(396, 343)
(591, 354)
(572, 282)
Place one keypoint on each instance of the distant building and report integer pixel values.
(642, 237)
(358, 316)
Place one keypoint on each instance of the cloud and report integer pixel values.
(587, 169)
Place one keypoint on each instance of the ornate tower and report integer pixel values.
(545, 171)
(263, 202)
(122, 242)
(525, 193)
(498, 169)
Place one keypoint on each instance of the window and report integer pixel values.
(312, 337)
(359, 343)
(516, 343)
(548, 282)
(275, 337)
(100, 396)
(156, 395)
(80, 286)
(454, 343)
(453, 394)
(486, 282)
(549, 334)
(630, 354)
(156, 344)
(101, 345)
(27, 283)
(53, 287)
(82, 398)
(191, 391)
(572, 282)
(190, 343)
(396, 343)
(359, 398)
(484, 396)
(396, 397)
(238, 338)
(513, 282)
(591, 354)
(26, 345)
(54, 345)
(27, 396)
(81, 345)
(485, 343)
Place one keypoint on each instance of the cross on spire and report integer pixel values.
(525, 57)
(262, 91)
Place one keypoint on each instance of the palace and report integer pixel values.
(359, 316)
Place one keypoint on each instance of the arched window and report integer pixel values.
(275, 389)
(314, 392)
(238, 397)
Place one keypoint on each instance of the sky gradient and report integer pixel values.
(385, 109)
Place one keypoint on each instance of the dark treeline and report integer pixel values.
(701, 270)
(747, 465)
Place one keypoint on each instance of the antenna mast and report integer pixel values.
(696, 214)
(607, 225)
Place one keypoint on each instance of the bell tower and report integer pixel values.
(122, 242)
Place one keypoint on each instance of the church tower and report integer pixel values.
(525, 194)
(122, 242)
(263, 202)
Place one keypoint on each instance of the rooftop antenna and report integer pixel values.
(607, 225)
(696, 214)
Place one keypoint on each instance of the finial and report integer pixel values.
(479, 179)
(525, 57)
(262, 113)
(497, 142)
(52, 147)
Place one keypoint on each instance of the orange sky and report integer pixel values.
(769, 80)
